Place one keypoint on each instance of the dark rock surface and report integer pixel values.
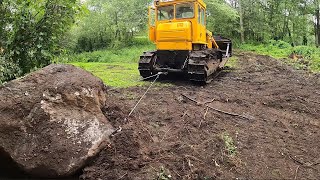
(51, 123)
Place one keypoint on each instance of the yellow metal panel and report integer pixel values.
(174, 46)
(152, 34)
(174, 31)
(181, 34)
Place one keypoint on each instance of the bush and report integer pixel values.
(36, 28)
(8, 70)
(305, 51)
(279, 44)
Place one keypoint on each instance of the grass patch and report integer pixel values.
(114, 74)
(116, 67)
(129, 54)
(163, 175)
(125, 55)
(229, 144)
(232, 62)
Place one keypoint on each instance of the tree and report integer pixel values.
(241, 21)
(31, 31)
(317, 22)
(222, 18)
(110, 24)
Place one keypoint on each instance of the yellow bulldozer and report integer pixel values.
(183, 43)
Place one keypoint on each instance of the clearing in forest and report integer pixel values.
(257, 120)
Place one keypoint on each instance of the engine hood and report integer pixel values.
(174, 31)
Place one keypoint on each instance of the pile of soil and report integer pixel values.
(51, 122)
(273, 133)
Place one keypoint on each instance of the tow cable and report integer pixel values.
(145, 93)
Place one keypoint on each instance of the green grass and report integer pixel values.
(128, 53)
(114, 74)
(282, 50)
(116, 67)
(124, 55)
(229, 144)
(163, 175)
(232, 62)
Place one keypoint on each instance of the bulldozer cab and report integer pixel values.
(177, 24)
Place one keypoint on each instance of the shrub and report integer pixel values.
(30, 33)
(305, 51)
(8, 70)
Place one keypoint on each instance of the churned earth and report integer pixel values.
(257, 120)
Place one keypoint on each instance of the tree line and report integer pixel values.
(113, 23)
(294, 21)
(32, 32)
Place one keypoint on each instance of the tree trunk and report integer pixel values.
(241, 22)
(317, 23)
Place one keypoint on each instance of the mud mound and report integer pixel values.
(51, 121)
(275, 136)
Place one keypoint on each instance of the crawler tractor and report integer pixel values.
(184, 45)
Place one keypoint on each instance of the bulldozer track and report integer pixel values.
(146, 64)
(202, 66)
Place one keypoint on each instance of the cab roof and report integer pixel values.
(168, 2)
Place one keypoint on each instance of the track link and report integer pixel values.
(146, 64)
(202, 64)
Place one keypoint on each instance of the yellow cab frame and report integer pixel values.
(193, 30)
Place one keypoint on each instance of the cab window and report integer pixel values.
(184, 10)
(165, 13)
(202, 17)
(199, 14)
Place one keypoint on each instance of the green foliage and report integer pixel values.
(291, 21)
(222, 18)
(162, 175)
(308, 57)
(306, 51)
(268, 49)
(30, 32)
(8, 70)
(122, 55)
(109, 24)
(233, 62)
(279, 44)
(117, 68)
(229, 144)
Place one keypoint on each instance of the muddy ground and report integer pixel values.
(274, 132)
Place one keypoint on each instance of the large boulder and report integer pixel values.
(51, 123)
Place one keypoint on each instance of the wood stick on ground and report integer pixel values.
(123, 176)
(296, 174)
(165, 134)
(316, 102)
(208, 102)
(309, 165)
(204, 117)
(215, 109)
(205, 114)
(185, 114)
